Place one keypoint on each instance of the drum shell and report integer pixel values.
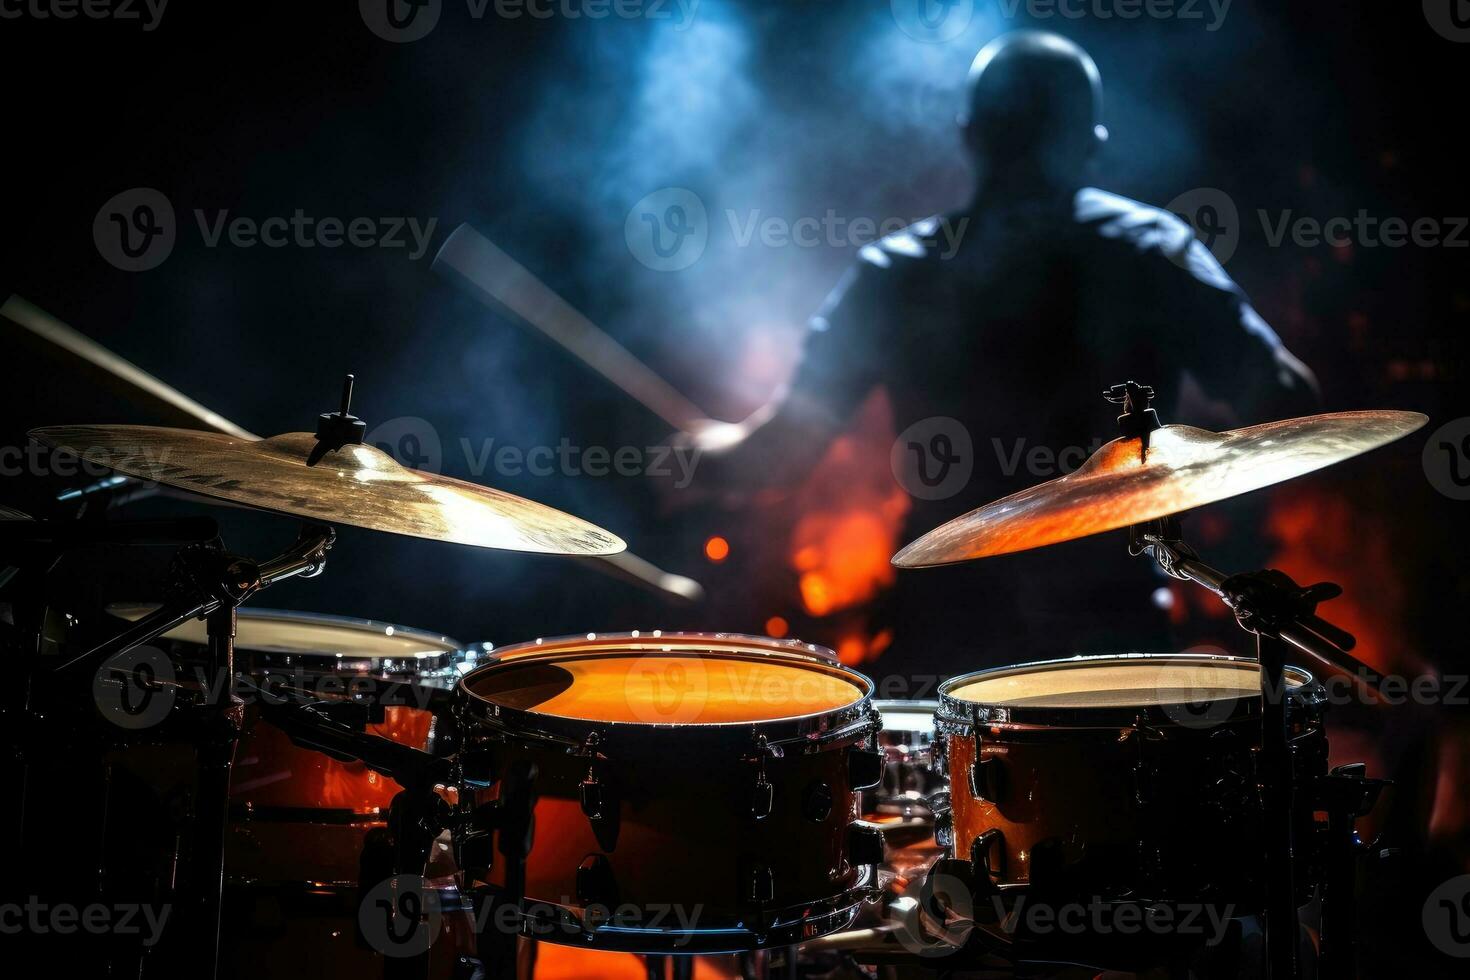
(681, 861)
(298, 815)
(686, 843)
(1150, 811)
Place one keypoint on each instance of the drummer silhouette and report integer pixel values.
(994, 330)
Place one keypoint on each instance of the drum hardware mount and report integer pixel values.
(592, 792)
(207, 579)
(987, 776)
(1138, 419)
(762, 792)
(1345, 794)
(337, 429)
(1281, 615)
(206, 582)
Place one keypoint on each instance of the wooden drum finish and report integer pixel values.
(693, 792)
(297, 814)
(1126, 777)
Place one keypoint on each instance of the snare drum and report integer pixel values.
(693, 792)
(1125, 777)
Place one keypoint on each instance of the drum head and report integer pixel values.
(1112, 687)
(666, 679)
(317, 642)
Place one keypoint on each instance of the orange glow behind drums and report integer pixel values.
(700, 789)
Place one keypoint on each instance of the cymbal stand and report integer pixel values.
(209, 582)
(34, 548)
(1282, 617)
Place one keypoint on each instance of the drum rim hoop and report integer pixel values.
(791, 924)
(479, 710)
(446, 655)
(1308, 694)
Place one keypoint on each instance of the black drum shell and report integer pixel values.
(682, 859)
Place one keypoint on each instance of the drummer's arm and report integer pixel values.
(781, 441)
(1230, 350)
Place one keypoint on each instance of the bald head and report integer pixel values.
(1034, 108)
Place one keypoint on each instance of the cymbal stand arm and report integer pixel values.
(206, 578)
(1282, 616)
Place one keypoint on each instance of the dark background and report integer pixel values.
(545, 132)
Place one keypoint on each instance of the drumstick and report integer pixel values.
(134, 381)
(477, 264)
(629, 566)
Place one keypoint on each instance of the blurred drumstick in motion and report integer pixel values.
(29, 323)
(35, 324)
(476, 263)
(500, 282)
(630, 567)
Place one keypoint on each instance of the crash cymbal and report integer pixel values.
(1182, 467)
(356, 484)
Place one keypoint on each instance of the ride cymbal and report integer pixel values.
(1181, 468)
(356, 484)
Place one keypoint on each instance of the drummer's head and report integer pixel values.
(1034, 113)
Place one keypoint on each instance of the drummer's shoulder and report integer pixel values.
(931, 239)
(1147, 228)
(1149, 231)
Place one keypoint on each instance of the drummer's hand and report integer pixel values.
(710, 436)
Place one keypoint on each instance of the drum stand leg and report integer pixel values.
(1274, 776)
(513, 827)
(1346, 793)
(216, 758)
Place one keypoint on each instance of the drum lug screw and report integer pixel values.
(943, 819)
(595, 882)
(864, 843)
(762, 797)
(864, 768)
(763, 793)
(986, 779)
(986, 856)
(593, 792)
(762, 885)
(593, 800)
(817, 806)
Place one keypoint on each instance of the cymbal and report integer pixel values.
(357, 484)
(1182, 468)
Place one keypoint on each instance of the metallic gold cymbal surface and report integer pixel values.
(1183, 468)
(357, 484)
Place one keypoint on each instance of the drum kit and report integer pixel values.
(346, 796)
